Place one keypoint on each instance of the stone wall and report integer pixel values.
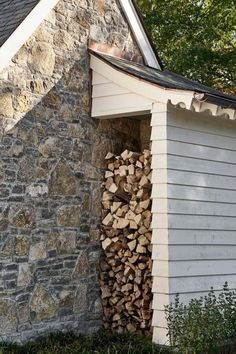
(51, 161)
(145, 133)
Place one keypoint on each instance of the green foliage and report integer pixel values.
(205, 325)
(195, 38)
(102, 343)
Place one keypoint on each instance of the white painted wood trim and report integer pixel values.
(159, 119)
(25, 30)
(133, 111)
(140, 34)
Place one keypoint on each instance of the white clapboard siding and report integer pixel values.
(111, 99)
(194, 179)
(107, 89)
(194, 209)
(192, 237)
(186, 207)
(196, 151)
(193, 267)
(177, 191)
(194, 222)
(198, 123)
(193, 137)
(202, 123)
(193, 252)
(114, 105)
(160, 300)
(189, 284)
(183, 163)
(99, 79)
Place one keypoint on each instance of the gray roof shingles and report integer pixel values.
(12, 13)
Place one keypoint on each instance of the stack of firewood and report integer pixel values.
(125, 271)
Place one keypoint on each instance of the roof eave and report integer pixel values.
(226, 103)
(185, 99)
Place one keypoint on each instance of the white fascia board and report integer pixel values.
(140, 34)
(25, 30)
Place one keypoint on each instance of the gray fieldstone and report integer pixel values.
(63, 40)
(21, 216)
(43, 305)
(8, 316)
(82, 266)
(37, 251)
(80, 304)
(37, 190)
(6, 107)
(24, 275)
(16, 149)
(21, 245)
(42, 59)
(69, 216)
(50, 147)
(63, 181)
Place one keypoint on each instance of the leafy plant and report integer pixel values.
(205, 325)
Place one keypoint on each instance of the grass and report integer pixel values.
(101, 343)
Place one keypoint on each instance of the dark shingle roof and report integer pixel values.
(169, 80)
(12, 13)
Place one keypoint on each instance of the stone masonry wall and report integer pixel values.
(51, 161)
(145, 133)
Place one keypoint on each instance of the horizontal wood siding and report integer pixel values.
(113, 100)
(194, 208)
(177, 268)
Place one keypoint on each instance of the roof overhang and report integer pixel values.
(116, 93)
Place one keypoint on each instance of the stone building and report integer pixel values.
(52, 157)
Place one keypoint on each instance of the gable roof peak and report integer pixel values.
(143, 40)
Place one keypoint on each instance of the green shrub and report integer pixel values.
(205, 325)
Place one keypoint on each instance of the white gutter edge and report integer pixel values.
(140, 34)
(25, 30)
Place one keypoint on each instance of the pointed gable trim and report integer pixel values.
(140, 34)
